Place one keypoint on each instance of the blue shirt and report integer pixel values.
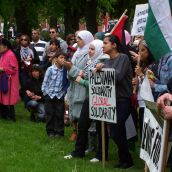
(52, 84)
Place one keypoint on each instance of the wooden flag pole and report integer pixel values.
(165, 152)
(146, 168)
(118, 21)
(103, 143)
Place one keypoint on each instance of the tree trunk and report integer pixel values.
(53, 22)
(90, 14)
(21, 20)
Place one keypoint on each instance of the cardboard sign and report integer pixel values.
(140, 18)
(102, 96)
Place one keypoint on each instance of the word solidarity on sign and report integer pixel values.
(102, 95)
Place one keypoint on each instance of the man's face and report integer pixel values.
(35, 35)
(53, 33)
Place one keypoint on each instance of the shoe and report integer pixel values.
(124, 165)
(58, 135)
(94, 160)
(68, 156)
(51, 135)
(73, 137)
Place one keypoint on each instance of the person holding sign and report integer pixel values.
(123, 78)
(94, 52)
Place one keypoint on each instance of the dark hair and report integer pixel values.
(56, 42)
(150, 58)
(58, 53)
(69, 37)
(6, 43)
(114, 39)
(36, 67)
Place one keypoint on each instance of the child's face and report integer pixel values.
(53, 47)
(35, 74)
(91, 51)
(60, 60)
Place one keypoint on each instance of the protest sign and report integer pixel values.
(102, 97)
(154, 139)
(140, 18)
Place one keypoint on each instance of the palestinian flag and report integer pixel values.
(118, 29)
(158, 32)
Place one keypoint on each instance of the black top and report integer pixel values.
(123, 76)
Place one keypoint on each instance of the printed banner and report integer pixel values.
(152, 145)
(102, 96)
(140, 18)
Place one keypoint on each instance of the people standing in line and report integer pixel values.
(53, 33)
(94, 52)
(76, 93)
(33, 93)
(54, 87)
(123, 79)
(9, 81)
(38, 44)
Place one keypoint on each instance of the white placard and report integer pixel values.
(152, 142)
(102, 96)
(140, 18)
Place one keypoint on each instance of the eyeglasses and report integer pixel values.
(23, 39)
(51, 32)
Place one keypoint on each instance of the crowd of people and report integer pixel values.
(51, 78)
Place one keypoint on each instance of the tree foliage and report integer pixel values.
(28, 14)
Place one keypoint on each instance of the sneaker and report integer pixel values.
(94, 160)
(68, 156)
(73, 137)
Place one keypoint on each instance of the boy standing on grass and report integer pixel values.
(54, 87)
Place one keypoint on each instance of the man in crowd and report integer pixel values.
(38, 44)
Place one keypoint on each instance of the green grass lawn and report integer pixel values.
(25, 147)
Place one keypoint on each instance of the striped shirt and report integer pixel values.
(40, 48)
(52, 84)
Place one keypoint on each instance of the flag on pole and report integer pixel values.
(118, 30)
(158, 32)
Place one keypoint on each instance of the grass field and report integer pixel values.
(25, 147)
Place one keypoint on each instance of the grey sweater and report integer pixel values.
(123, 75)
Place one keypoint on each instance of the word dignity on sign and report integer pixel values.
(102, 95)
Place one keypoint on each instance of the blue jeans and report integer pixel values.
(37, 108)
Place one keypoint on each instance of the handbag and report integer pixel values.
(3, 82)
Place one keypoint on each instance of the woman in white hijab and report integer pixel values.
(76, 93)
(94, 52)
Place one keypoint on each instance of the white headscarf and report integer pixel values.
(87, 37)
(98, 44)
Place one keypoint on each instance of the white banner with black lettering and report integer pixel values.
(152, 142)
(140, 18)
(102, 96)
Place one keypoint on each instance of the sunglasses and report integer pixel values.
(51, 32)
(23, 39)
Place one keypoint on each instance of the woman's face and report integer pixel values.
(35, 74)
(80, 42)
(91, 51)
(24, 41)
(144, 53)
(3, 48)
(107, 46)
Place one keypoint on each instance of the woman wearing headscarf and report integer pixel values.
(76, 93)
(9, 94)
(94, 52)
